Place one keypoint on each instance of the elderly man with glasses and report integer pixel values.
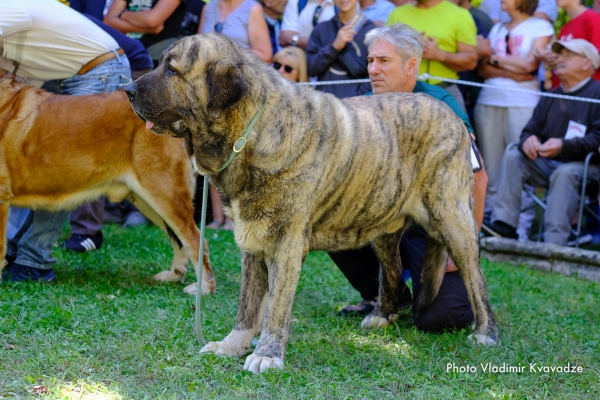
(553, 146)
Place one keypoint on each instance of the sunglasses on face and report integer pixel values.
(219, 27)
(286, 68)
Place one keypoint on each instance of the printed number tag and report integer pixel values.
(575, 130)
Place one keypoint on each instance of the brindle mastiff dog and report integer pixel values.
(317, 173)
(58, 152)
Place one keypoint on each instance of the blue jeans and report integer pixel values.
(31, 234)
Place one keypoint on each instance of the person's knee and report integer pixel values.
(567, 175)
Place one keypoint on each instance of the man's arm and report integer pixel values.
(489, 71)
(153, 18)
(465, 59)
(112, 19)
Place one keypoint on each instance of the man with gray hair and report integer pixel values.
(393, 58)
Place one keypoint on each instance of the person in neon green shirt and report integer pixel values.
(449, 36)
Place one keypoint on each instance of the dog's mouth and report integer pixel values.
(177, 128)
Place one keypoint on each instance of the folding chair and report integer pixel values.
(583, 206)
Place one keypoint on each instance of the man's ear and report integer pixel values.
(226, 86)
(412, 66)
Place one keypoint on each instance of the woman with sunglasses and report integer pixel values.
(290, 62)
(336, 50)
(501, 115)
(242, 21)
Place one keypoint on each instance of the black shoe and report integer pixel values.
(84, 243)
(499, 228)
(362, 308)
(23, 273)
(9, 260)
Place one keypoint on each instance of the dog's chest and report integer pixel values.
(249, 235)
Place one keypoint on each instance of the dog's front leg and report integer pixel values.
(387, 248)
(284, 272)
(253, 293)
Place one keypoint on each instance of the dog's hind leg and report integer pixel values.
(184, 237)
(457, 231)
(252, 302)
(387, 248)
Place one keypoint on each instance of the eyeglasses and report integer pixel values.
(570, 54)
(507, 39)
(317, 14)
(219, 27)
(286, 68)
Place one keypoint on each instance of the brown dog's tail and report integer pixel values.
(434, 265)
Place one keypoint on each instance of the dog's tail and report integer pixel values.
(434, 265)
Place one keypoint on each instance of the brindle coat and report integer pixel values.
(317, 173)
(57, 152)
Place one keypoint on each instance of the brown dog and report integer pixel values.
(58, 152)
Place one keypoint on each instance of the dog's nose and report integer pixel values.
(131, 89)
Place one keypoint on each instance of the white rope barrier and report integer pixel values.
(425, 77)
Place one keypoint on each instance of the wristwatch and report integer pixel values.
(495, 62)
(295, 39)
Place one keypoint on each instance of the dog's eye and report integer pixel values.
(171, 71)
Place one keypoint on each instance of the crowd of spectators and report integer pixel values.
(506, 43)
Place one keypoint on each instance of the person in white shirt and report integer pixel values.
(43, 40)
(299, 19)
(500, 115)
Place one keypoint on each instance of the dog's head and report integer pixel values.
(199, 82)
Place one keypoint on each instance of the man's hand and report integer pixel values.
(531, 146)
(344, 35)
(551, 148)
(547, 56)
(431, 51)
(450, 266)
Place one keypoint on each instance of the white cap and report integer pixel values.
(579, 46)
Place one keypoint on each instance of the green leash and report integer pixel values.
(237, 147)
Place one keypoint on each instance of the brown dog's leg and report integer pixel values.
(5, 196)
(253, 296)
(184, 236)
(387, 248)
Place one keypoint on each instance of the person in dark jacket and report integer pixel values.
(336, 50)
(553, 145)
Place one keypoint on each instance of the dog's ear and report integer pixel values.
(226, 86)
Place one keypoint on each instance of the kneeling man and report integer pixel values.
(553, 146)
(394, 56)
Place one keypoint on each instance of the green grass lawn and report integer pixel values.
(104, 329)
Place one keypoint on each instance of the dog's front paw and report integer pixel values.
(491, 339)
(168, 276)
(207, 288)
(224, 349)
(375, 321)
(259, 365)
